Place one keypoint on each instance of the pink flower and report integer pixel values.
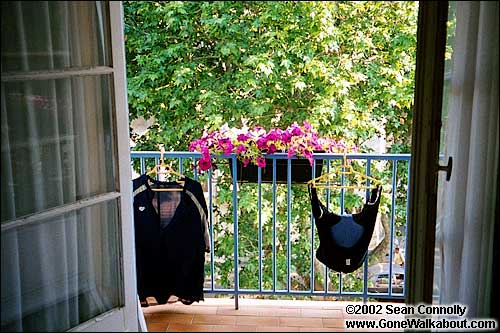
(273, 135)
(307, 154)
(243, 137)
(222, 143)
(307, 125)
(296, 131)
(204, 164)
(246, 161)
(286, 137)
(240, 149)
(205, 152)
(261, 162)
(271, 149)
(229, 148)
(192, 146)
(262, 143)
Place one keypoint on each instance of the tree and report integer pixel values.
(347, 67)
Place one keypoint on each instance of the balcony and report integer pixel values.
(263, 235)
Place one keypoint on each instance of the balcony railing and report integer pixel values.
(275, 227)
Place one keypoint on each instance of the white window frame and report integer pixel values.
(126, 318)
(123, 318)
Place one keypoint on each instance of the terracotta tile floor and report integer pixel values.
(253, 315)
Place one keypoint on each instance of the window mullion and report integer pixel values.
(56, 73)
(52, 212)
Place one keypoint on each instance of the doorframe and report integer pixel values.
(429, 77)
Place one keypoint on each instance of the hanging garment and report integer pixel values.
(171, 238)
(344, 239)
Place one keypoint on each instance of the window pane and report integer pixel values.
(57, 143)
(61, 271)
(41, 35)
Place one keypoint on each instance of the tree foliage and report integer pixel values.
(346, 67)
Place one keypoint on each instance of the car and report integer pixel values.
(378, 278)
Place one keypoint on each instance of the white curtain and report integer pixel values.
(56, 272)
(467, 201)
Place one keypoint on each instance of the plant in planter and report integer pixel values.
(252, 145)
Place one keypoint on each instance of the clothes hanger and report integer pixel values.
(165, 169)
(327, 180)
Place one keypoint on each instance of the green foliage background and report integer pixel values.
(346, 67)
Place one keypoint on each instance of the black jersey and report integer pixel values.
(344, 239)
(171, 239)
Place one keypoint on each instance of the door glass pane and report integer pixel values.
(41, 35)
(57, 143)
(448, 74)
(62, 271)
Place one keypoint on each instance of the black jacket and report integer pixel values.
(344, 239)
(170, 250)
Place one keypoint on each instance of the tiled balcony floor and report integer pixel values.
(253, 315)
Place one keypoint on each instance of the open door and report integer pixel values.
(66, 215)
(469, 156)
(431, 41)
(468, 193)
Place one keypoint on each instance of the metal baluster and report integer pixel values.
(393, 208)
(274, 225)
(312, 235)
(365, 265)
(328, 197)
(406, 222)
(289, 219)
(259, 207)
(181, 167)
(235, 235)
(211, 215)
(342, 181)
(143, 166)
(195, 169)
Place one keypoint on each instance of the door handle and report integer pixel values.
(447, 168)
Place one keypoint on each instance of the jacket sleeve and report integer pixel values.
(199, 199)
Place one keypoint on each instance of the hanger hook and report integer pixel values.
(162, 151)
(344, 156)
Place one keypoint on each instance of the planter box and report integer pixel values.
(301, 171)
